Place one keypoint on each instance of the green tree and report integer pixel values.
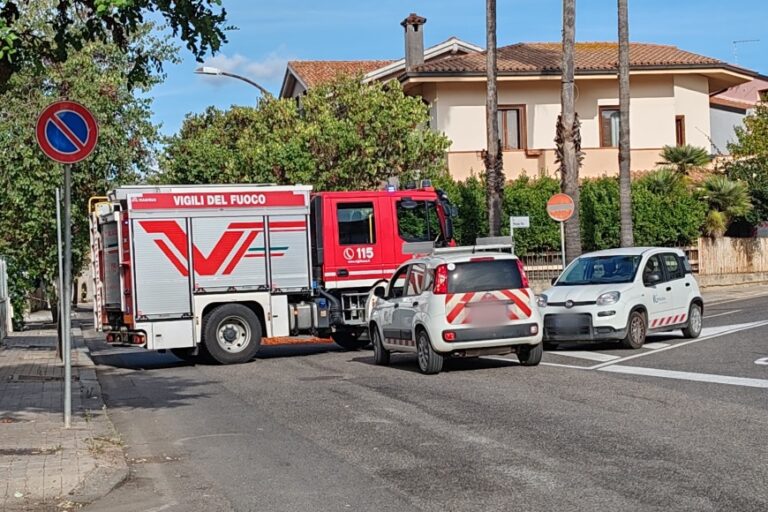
(752, 138)
(96, 76)
(726, 200)
(754, 173)
(345, 135)
(684, 158)
(73, 24)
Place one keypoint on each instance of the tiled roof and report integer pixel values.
(316, 72)
(546, 57)
(741, 96)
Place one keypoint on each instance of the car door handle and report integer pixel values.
(687, 284)
(396, 306)
(669, 288)
(415, 303)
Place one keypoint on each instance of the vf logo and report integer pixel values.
(349, 253)
(237, 238)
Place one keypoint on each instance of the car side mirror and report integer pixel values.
(652, 279)
(380, 292)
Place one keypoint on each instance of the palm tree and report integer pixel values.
(494, 171)
(625, 178)
(568, 136)
(684, 158)
(727, 200)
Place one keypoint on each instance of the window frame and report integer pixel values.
(601, 109)
(372, 227)
(522, 129)
(680, 130)
(662, 269)
(424, 283)
(406, 270)
(679, 273)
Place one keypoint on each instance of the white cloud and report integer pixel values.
(269, 69)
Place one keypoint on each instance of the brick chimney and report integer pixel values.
(414, 40)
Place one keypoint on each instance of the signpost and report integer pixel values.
(518, 222)
(67, 133)
(560, 208)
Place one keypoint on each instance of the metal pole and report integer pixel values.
(562, 242)
(66, 299)
(59, 346)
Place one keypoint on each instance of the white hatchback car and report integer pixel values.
(456, 303)
(622, 294)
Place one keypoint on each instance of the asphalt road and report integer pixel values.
(676, 426)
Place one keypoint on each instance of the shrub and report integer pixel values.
(527, 196)
(753, 172)
(684, 158)
(599, 210)
(672, 219)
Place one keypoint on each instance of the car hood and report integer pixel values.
(585, 292)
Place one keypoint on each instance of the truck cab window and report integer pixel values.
(418, 221)
(357, 225)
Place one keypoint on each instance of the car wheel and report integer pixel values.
(430, 362)
(530, 355)
(380, 354)
(232, 334)
(636, 330)
(693, 329)
(349, 340)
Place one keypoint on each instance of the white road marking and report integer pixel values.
(763, 361)
(707, 334)
(655, 345)
(543, 363)
(585, 354)
(695, 377)
(723, 314)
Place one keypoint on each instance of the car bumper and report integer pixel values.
(475, 338)
(580, 327)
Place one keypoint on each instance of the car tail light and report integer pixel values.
(523, 277)
(449, 335)
(138, 339)
(110, 338)
(441, 280)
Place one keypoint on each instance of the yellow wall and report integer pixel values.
(458, 110)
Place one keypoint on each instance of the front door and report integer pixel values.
(660, 294)
(679, 285)
(356, 254)
(394, 309)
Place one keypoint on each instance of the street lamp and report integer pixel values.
(209, 70)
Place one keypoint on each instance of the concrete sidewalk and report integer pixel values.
(44, 466)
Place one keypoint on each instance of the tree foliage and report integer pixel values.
(754, 173)
(73, 24)
(96, 76)
(684, 158)
(726, 200)
(752, 138)
(345, 135)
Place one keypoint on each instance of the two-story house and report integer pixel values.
(670, 98)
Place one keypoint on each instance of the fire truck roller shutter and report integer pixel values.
(289, 252)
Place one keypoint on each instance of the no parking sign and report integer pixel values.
(67, 132)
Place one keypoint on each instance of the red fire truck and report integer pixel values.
(224, 269)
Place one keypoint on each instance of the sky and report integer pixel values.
(270, 33)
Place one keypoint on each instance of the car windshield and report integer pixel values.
(483, 276)
(600, 270)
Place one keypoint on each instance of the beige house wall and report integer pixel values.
(458, 110)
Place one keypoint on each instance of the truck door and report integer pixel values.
(356, 256)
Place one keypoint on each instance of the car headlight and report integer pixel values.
(608, 298)
(541, 300)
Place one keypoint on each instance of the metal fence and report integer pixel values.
(5, 301)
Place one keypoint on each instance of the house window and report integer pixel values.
(609, 127)
(680, 130)
(512, 127)
(356, 224)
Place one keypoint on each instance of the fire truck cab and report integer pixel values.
(224, 269)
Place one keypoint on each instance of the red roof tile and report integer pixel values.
(546, 57)
(316, 72)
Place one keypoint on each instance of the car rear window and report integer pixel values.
(482, 276)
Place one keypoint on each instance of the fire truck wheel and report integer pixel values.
(349, 340)
(232, 334)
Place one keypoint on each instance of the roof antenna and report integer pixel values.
(735, 47)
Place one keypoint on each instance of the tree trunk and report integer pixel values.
(625, 178)
(569, 127)
(494, 173)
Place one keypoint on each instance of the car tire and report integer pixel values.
(232, 334)
(693, 328)
(530, 355)
(430, 362)
(637, 328)
(349, 340)
(380, 354)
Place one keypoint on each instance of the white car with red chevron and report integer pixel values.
(622, 295)
(457, 302)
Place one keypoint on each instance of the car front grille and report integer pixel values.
(579, 324)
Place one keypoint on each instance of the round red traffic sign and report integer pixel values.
(560, 207)
(66, 132)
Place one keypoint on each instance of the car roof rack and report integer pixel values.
(492, 243)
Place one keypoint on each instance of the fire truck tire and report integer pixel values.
(231, 334)
(349, 340)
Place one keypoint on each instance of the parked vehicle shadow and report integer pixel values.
(408, 363)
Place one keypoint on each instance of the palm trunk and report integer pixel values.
(494, 173)
(625, 178)
(568, 128)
